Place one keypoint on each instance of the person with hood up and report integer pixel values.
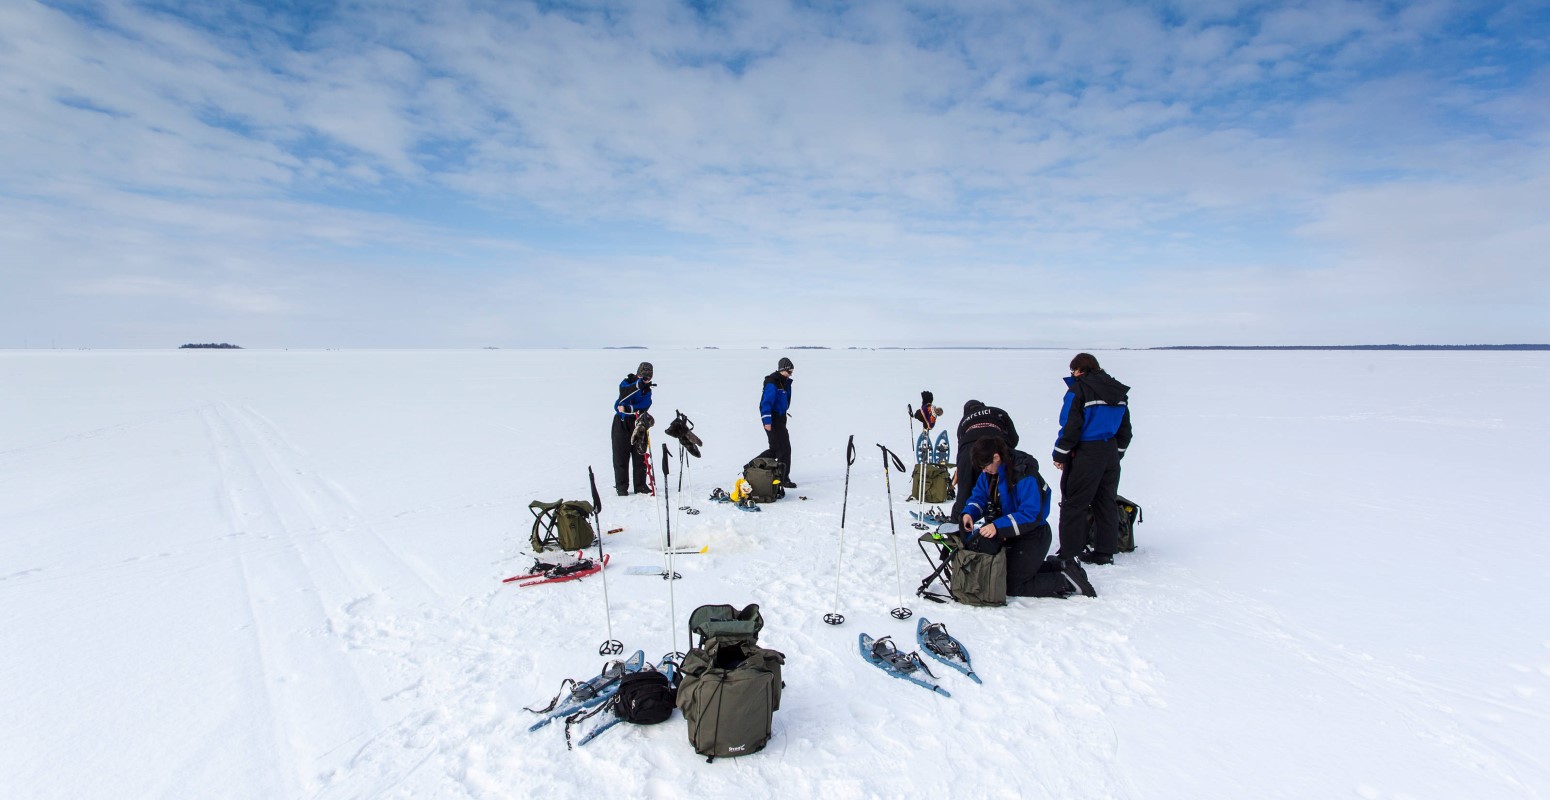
(773, 405)
(1094, 432)
(979, 422)
(1012, 499)
(634, 399)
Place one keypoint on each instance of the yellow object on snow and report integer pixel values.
(741, 490)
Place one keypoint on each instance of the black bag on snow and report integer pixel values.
(561, 525)
(763, 474)
(932, 483)
(1129, 517)
(730, 686)
(644, 698)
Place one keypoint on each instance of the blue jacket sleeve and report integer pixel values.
(1027, 513)
(767, 403)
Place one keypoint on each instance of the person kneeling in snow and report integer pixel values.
(1014, 499)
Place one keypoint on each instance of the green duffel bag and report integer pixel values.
(561, 525)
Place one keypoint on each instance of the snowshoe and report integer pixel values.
(942, 453)
(882, 653)
(940, 645)
(588, 693)
(923, 448)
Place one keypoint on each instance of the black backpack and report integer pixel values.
(644, 698)
(1129, 517)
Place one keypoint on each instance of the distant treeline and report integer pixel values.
(1361, 347)
(221, 346)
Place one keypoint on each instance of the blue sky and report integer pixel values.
(462, 174)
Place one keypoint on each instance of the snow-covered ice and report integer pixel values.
(276, 574)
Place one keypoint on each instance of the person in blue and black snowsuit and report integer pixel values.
(1013, 500)
(773, 405)
(634, 399)
(1094, 432)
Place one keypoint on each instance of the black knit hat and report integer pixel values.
(972, 405)
(645, 370)
(785, 364)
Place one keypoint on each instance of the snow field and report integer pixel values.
(276, 574)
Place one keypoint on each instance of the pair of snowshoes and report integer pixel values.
(746, 503)
(683, 430)
(550, 569)
(927, 453)
(938, 644)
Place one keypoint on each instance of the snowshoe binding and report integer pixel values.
(942, 646)
(923, 448)
(882, 653)
(942, 453)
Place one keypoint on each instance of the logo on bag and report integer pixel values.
(737, 749)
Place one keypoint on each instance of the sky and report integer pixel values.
(684, 174)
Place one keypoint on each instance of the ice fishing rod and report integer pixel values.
(610, 646)
(670, 576)
(836, 618)
(902, 612)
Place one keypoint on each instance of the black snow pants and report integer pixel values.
(780, 443)
(625, 455)
(1088, 486)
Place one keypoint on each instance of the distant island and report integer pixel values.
(1359, 347)
(627, 347)
(221, 346)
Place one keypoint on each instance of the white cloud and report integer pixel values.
(1056, 143)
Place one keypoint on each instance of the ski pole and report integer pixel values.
(918, 481)
(670, 575)
(902, 612)
(837, 618)
(610, 646)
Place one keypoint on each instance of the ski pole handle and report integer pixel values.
(887, 454)
(850, 451)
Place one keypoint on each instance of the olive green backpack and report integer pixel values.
(730, 686)
(932, 483)
(561, 525)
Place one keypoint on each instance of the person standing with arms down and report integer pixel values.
(1094, 432)
(634, 399)
(979, 422)
(773, 405)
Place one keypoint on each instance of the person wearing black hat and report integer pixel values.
(1094, 432)
(773, 405)
(634, 399)
(979, 422)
